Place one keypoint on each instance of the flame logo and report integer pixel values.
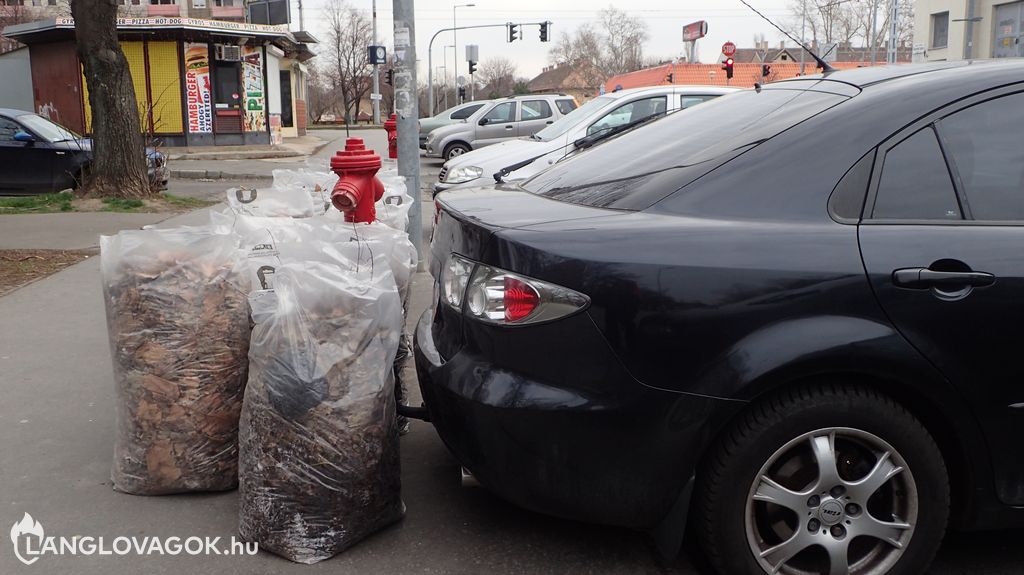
(27, 526)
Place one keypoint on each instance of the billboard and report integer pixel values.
(252, 87)
(695, 31)
(198, 95)
(269, 12)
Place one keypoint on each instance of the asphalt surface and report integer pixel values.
(57, 428)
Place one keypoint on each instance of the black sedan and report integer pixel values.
(787, 317)
(39, 156)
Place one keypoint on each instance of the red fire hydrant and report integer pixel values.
(358, 187)
(391, 125)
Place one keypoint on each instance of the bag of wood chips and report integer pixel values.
(319, 462)
(178, 323)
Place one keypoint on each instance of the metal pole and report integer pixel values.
(874, 31)
(376, 74)
(969, 33)
(430, 57)
(455, 40)
(407, 112)
(892, 31)
(803, 35)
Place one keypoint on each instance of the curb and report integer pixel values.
(215, 175)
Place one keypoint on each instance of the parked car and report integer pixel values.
(499, 120)
(449, 116)
(40, 156)
(600, 117)
(791, 314)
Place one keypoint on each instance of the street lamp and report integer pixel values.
(455, 37)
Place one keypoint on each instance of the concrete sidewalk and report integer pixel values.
(247, 169)
(68, 231)
(290, 147)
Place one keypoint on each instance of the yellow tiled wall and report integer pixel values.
(165, 85)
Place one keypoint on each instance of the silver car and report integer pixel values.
(499, 120)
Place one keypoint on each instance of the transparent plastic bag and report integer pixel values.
(317, 184)
(319, 461)
(380, 239)
(288, 202)
(393, 207)
(178, 323)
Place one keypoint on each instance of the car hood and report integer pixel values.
(502, 154)
(430, 124)
(447, 130)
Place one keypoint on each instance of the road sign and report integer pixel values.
(695, 31)
(460, 81)
(376, 97)
(378, 54)
(728, 49)
(472, 53)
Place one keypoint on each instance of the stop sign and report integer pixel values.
(729, 49)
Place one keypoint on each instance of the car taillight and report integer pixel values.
(501, 297)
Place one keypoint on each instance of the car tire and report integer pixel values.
(455, 149)
(768, 498)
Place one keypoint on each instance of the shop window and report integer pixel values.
(940, 30)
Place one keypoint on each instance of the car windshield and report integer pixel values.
(568, 121)
(677, 150)
(46, 129)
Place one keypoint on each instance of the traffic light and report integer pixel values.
(389, 77)
(513, 32)
(727, 66)
(472, 67)
(544, 31)
(669, 77)
(765, 70)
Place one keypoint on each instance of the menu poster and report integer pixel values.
(252, 86)
(197, 88)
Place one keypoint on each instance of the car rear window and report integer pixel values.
(641, 167)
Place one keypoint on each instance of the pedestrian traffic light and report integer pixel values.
(544, 31)
(472, 67)
(462, 93)
(765, 70)
(389, 77)
(513, 32)
(669, 77)
(727, 66)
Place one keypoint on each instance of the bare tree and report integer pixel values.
(347, 61)
(613, 46)
(118, 168)
(11, 14)
(497, 75)
(849, 22)
(320, 99)
(624, 41)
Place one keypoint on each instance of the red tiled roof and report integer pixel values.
(744, 75)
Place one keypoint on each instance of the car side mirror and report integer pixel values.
(24, 137)
(484, 121)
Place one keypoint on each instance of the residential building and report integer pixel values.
(967, 29)
(565, 79)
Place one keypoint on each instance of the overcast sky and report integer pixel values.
(727, 20)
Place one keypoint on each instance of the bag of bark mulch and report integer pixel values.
(315, 183)
(318, 459)
(275, 202)
(178, 323)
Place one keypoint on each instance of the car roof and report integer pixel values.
(874, 75)
(13, 113)
(671, 89)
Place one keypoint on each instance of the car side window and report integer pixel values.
(466, 112)
(629, 112)
(536, 110)
(985, 145)
(915, 183)
(687, 101)
(565, 106)
(504, 112)
(8, 129)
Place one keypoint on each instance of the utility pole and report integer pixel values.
(376, 73)
(969, 32)
(803, 34)
(301, 25)
(892, 31)
(406, 109)
(874, 31)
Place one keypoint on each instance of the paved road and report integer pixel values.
(56, 421)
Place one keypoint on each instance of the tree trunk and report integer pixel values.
(119, 163)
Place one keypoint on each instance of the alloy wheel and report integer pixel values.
(840, 501)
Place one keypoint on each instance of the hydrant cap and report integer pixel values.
(355, 156)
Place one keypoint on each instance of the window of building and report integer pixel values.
(226, 3)
(983, 142)
(14, 2)
(159, 2)
(940, 30)
(915, 182)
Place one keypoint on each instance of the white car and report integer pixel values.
(601, 116)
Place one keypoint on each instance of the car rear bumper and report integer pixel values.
(618, 459)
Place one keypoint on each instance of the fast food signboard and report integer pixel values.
(198, 95)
